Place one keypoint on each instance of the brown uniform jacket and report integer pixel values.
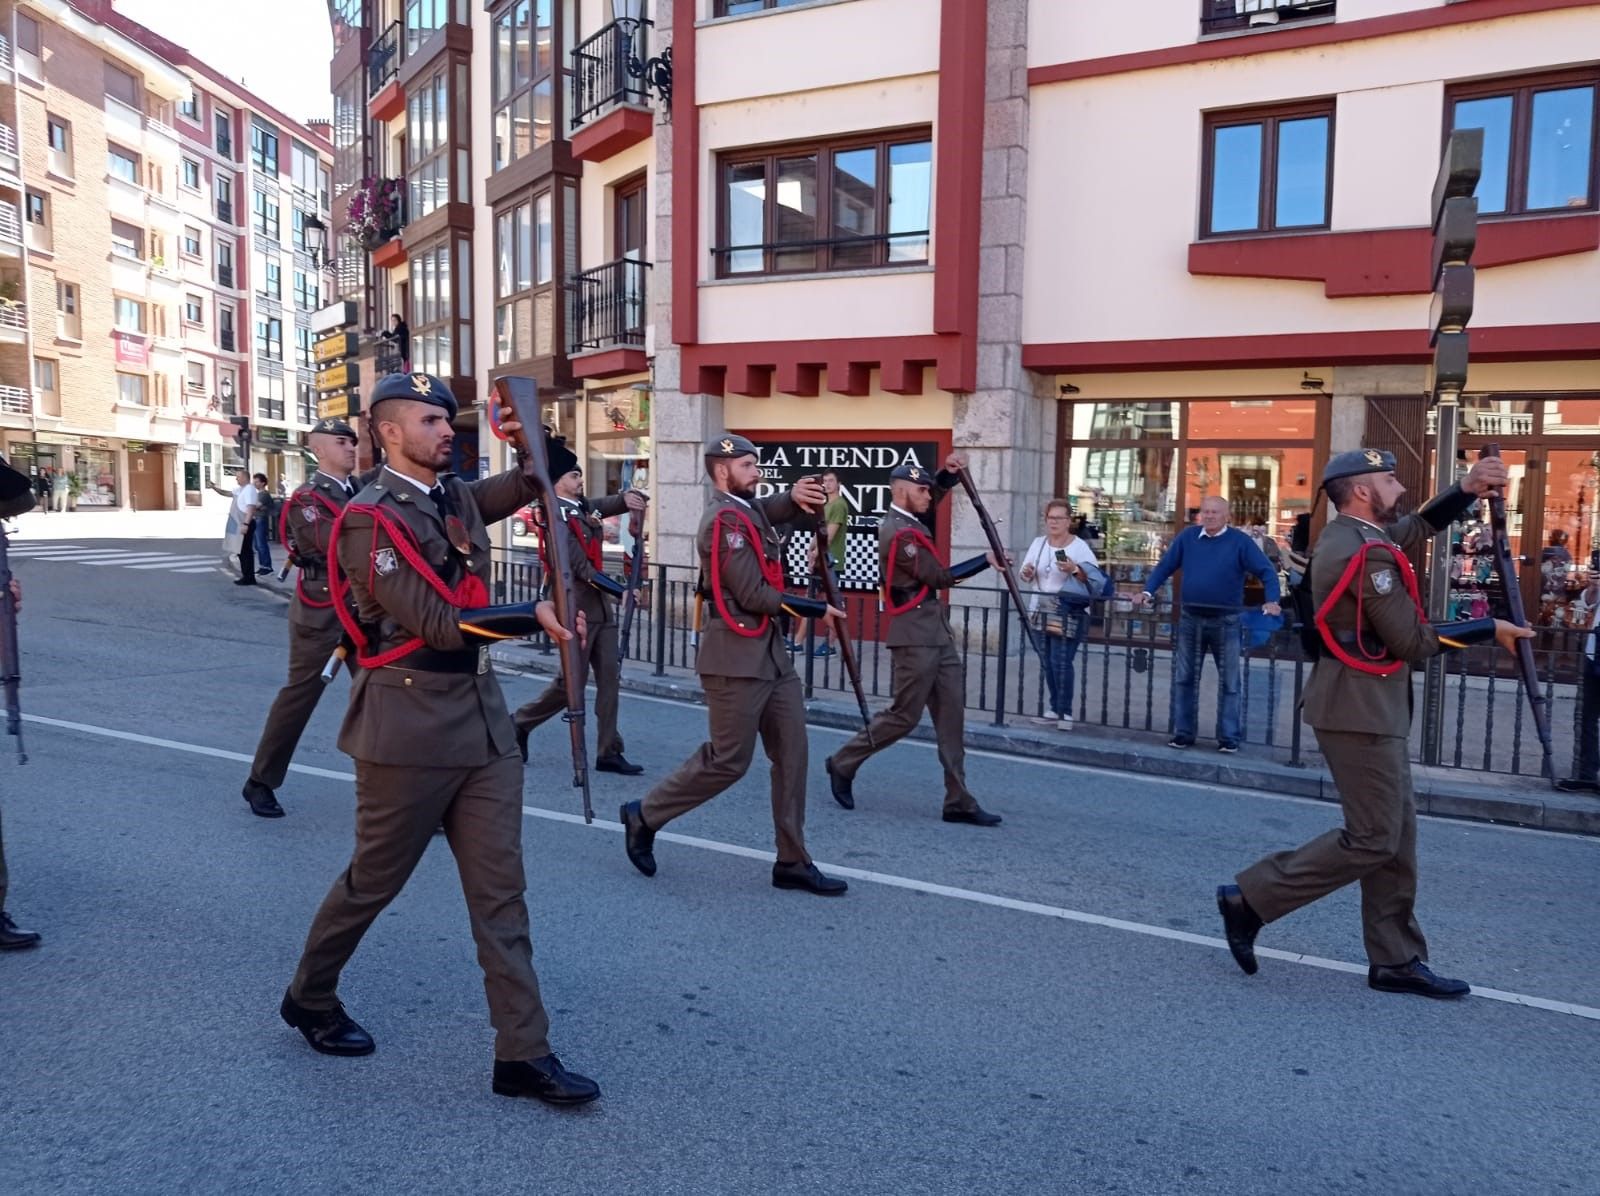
(1338, 697)
(407, 716)
(308, 524)
(598, 607)
(745, 591)
(912, 568)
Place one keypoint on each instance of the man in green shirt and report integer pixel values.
(830, 534)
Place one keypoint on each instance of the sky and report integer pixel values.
(279, 49)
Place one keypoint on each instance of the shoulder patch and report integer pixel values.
(910, 548)
(384, 561)
(735, 540)
(1383, 580)
(308, 512)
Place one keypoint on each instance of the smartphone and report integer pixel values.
(1061, 556)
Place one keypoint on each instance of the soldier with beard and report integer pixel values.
(1358, 701)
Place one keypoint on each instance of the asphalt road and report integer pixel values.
(1044, 1007)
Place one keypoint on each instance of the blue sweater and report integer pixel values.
(1214, 568)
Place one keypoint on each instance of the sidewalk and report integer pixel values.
(1449, 792)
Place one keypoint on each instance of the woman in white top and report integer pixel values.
(1066, 578)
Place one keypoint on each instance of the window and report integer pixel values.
(307, 291)
(121, 86)
(1268, 170)
(434, 311)
(69, 324)
(28, 50)
(306, 402)
(36, 210)
(194, 311)
(225, 339)
(123, 164)
(302, 347)
(523, 87)
(190, 107)
(44, 374)
(127, 241)
(297, 233)
(222, 121)
(837, 206)
(127, 314)
(224, 189)
(428, 144)
(131, 389)
(58, 134)
(523, 320)
(269, 339)
(191, 174)
(265, 215)
(1223, 16)
(194, 377)
(304, 167)
(734, 8)
(423, 17)
(191, 243)
(269, 276)
(264, 149)
(1538, 142)
(269, 393)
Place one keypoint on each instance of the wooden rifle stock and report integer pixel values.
(10, 654)
(630, 600)
(997, 546)
(519, 397)
(1517, 613)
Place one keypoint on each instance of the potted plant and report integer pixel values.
(10, 293)
(375, 211)
(74, 488)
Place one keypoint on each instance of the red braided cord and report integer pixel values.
(1358, 564)
(888, 571)
(772, 571)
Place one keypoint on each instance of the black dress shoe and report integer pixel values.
(617, 762)
(1577, 785)
(1414, 977)
(1240, 925)
(806, 876)
(840, 785)
(522, 742)
(638, 840)
(331, 1031)
(245, 581)
(543, 1079)
(13, 938)
(262, 802)
(977, 816)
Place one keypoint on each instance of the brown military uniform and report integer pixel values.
(432, 743)
(926, 669)
(749, 680)
(1361, 721)
(600, 654)
(314, 630)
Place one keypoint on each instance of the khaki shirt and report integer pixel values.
(746, 593)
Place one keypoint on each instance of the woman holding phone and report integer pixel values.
(1066, 578)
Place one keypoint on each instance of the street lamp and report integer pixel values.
(316, 234)
(655, 72)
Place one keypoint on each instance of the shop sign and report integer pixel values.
(276, 436)
(130, 349)
(96, 442)
(54, 438)
(134, 446)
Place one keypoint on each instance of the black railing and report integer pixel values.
(1221, 16)
(600, 78)
(386, 359)
(225, 339)
(225, 276)
(608, 306)
(826, 254)
(225, 211)
(384, 57)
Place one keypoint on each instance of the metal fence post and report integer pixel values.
(660, 616)
(1000, 666)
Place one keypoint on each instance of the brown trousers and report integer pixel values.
(5, 877)
(309, 649)
(599, 658)
(1377, 846)
(924, 676)
(397, 809)
(741, 708)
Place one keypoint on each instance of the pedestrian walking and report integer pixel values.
(583, 523)
(1215, 560)
(1358, 701)
(428, 729)
(41, 489)
(926, 670)
(242, 514)
(1067, 579)
(750, 684)
(830, 541)
(266, 519)
(60, 490)
(314, 628)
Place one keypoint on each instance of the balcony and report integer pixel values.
(10, 164)
(225, 211)
(377, 214)
(608, 315)
(13, 322)
(10, 230)
(386, 99)
(15, 400)
(386, 359)
(225, 341)
(225, 277)
(1232, 16)
(610, 107)
(5, 52)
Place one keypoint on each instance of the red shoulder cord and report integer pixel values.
(772, 571)
(593, 548)
(1353, 574)
(920, 537)
(283, 538)
(471, 592)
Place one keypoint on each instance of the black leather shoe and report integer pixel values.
(1577, 785)
(331, 1031)
(977, 816)
(262, 802)
(1240, 925)
(522, 742)
(1414, 977)
(543, 1079)
(840, 785)
(617, 762)
(13, 938)
(638, 840)
(806, 876)
(245, 581)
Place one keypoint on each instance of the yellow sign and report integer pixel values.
(339, 405)
(338, 378)
(332, 348)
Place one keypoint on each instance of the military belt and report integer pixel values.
(899, 595)
(433, 660)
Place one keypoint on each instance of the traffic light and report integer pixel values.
(241, 436)
(1455, 236)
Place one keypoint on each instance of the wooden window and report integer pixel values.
(441, 311)
(523, 87)
(1539, 141)
(842, 205)
(1268, 170)
(1226, 16)
(631, 212)
(428, 143)
(525, 299)
(127, 240)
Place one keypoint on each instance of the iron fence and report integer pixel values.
(600, 77)
(608, 306)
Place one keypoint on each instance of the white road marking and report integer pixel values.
(888, 880)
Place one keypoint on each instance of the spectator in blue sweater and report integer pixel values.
(1215, 559)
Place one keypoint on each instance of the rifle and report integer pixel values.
(829, 583)
(1517, 614)
(630, 600)
(10, 657)
(997, 546)
(520, 398)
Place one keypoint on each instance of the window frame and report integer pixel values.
(194, 310)
(1269, 117)
(452, 150)
(1521, 89)
(528, 87)
(260, 223)
(260, 135)
(823, 246)
(184, 167)
(196, 254)
(720, 8)
(452, 306)
(121, 153)
(268, 346)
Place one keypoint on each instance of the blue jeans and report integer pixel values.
(1059, 653)
(263, 544)
(1199, 636)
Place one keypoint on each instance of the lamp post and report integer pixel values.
(316, 234)
(655, 73)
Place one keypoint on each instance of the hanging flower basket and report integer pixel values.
(376, 211)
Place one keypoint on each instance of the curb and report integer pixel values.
(1515, 801)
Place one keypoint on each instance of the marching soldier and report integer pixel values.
(314, 631)
(1372, 630)
(750, 684)
(582, 522)
(429, 732)
(926, 668)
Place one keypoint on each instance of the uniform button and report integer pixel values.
(408, 681)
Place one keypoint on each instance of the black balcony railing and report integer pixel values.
(600, 78)
(386, 358)
(225, 276)
(225, 339)
(1224, 16)
(384, 57)
(608, 306)
(225, 211)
